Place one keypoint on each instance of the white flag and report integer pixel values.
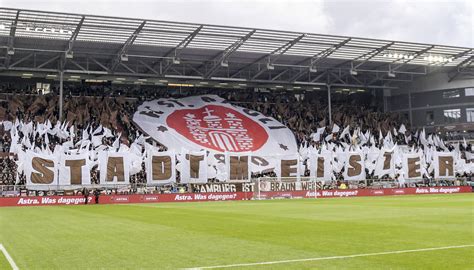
(344, 132)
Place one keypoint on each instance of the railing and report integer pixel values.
(367, 181)
(17, 190)
(252, 185)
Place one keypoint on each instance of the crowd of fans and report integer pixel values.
(7, 171)
(89, 107)
(303, 113)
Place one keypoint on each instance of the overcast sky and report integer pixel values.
(448, 22)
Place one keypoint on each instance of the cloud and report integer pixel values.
(438, 22)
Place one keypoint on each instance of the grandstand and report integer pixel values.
(61, 68)
(58, 48)
(130, 111)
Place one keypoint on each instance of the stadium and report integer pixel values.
(130, 143)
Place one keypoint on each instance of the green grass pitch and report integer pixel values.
(189, 235)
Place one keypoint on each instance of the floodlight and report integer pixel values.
(69, 55)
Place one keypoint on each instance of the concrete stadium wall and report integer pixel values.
(429, 95)
(432, 82)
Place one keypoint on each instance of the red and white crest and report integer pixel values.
(218, 128)
(211, 123)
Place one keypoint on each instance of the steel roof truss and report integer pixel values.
(123, 51)
(49, 61)
(21, 60)
(11, 40)
(406, 61)
(275, 53)
(226, 53)
(178, 49)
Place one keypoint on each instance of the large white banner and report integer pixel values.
(444, 165)
(385, 163)
(74, 169)
(40, 170)
(211, 123)
(238, 166)
(355, 167)
(288, 166)
(194, 167)
(319, 166)
(114, 168)
(160, 167)
(412, 166)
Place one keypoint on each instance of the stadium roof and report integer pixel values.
(100, 47)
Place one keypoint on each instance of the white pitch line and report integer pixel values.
(328, 258)
(9, 258)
